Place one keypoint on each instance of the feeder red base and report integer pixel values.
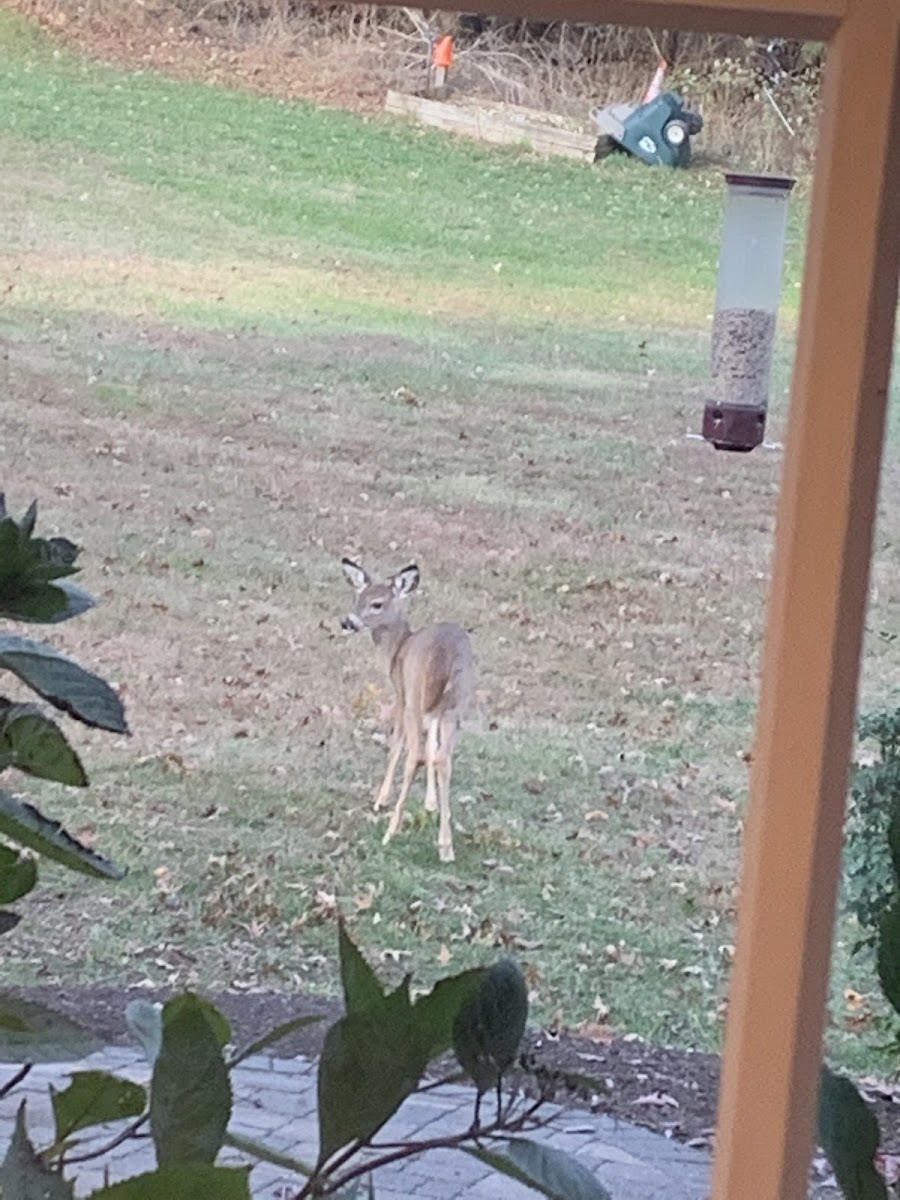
(734, 426)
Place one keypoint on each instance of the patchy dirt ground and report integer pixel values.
(343, 74)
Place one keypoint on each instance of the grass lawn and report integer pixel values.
(242, 338)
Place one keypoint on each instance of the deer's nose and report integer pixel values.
(351, 623)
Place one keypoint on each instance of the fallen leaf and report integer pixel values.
(596, 1031)
(656, 1100)
(888, 1165)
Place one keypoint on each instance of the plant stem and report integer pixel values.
(451, 1141)
(453, 1077)
(309, 1188)
(128, 1132)
(16, 1079)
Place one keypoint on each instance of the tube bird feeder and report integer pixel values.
(747, 297)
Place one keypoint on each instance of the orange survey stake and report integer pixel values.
(442, 55)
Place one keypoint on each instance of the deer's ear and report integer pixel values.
(355, 575)
(406, 581)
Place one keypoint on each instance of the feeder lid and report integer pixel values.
(775, 183)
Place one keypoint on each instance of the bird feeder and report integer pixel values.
(749, 289)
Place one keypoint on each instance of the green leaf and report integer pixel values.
(8, 921)
(49, 603)
(24, 824)
(371, 1061)
(551, 1172)
(93, 1098)
(190, 1095)
(31, 1032)
(37, 746)
(29, 521)
(436, 1013)
(490, 1024)
(63, 683)
(18, 874)
(76, 600)
(274, 1035)
(893, 836)
(192, 1181)
(23, 1174)
(40, 603)
(28, 564)
(888, 958)
(848, 1133)
(360, 983)
(267, 1154)
(216, 1020)
(144, 1019)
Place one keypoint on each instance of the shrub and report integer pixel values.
(874, 803)
(374, 1057)
(35, 586)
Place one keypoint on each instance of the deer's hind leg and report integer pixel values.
(448, 728)
(432, 748)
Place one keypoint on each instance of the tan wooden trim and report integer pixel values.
(817, 607)
(815, 20)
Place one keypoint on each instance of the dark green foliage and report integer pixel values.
(34, 587)
(888, 955)
(551, 1172)
(848, 1133)
(190, 1098)
(93, 1098)
(63, 683)
(24, 1175)
(359, 981)
(874, 805)
(24, 824)
(193, 1181)
(374, 1057)
(376, 1054)
(848, 1130)
(371, 1061)
(35, 745)
(28, 565)
(436, 1013)
(18, 875)
(490, 1023)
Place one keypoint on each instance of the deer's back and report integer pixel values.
(437, 666)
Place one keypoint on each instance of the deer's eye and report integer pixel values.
(377, 605)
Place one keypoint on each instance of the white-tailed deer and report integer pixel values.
(433, 673)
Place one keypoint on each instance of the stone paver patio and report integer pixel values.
(275, 1103)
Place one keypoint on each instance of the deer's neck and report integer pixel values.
(390, 639)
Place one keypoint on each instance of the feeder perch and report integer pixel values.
(749, 289)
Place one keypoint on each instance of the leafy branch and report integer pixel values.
(35, 587)
(503, 1127)
(374, 1057)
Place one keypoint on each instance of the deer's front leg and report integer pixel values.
(383, 794)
